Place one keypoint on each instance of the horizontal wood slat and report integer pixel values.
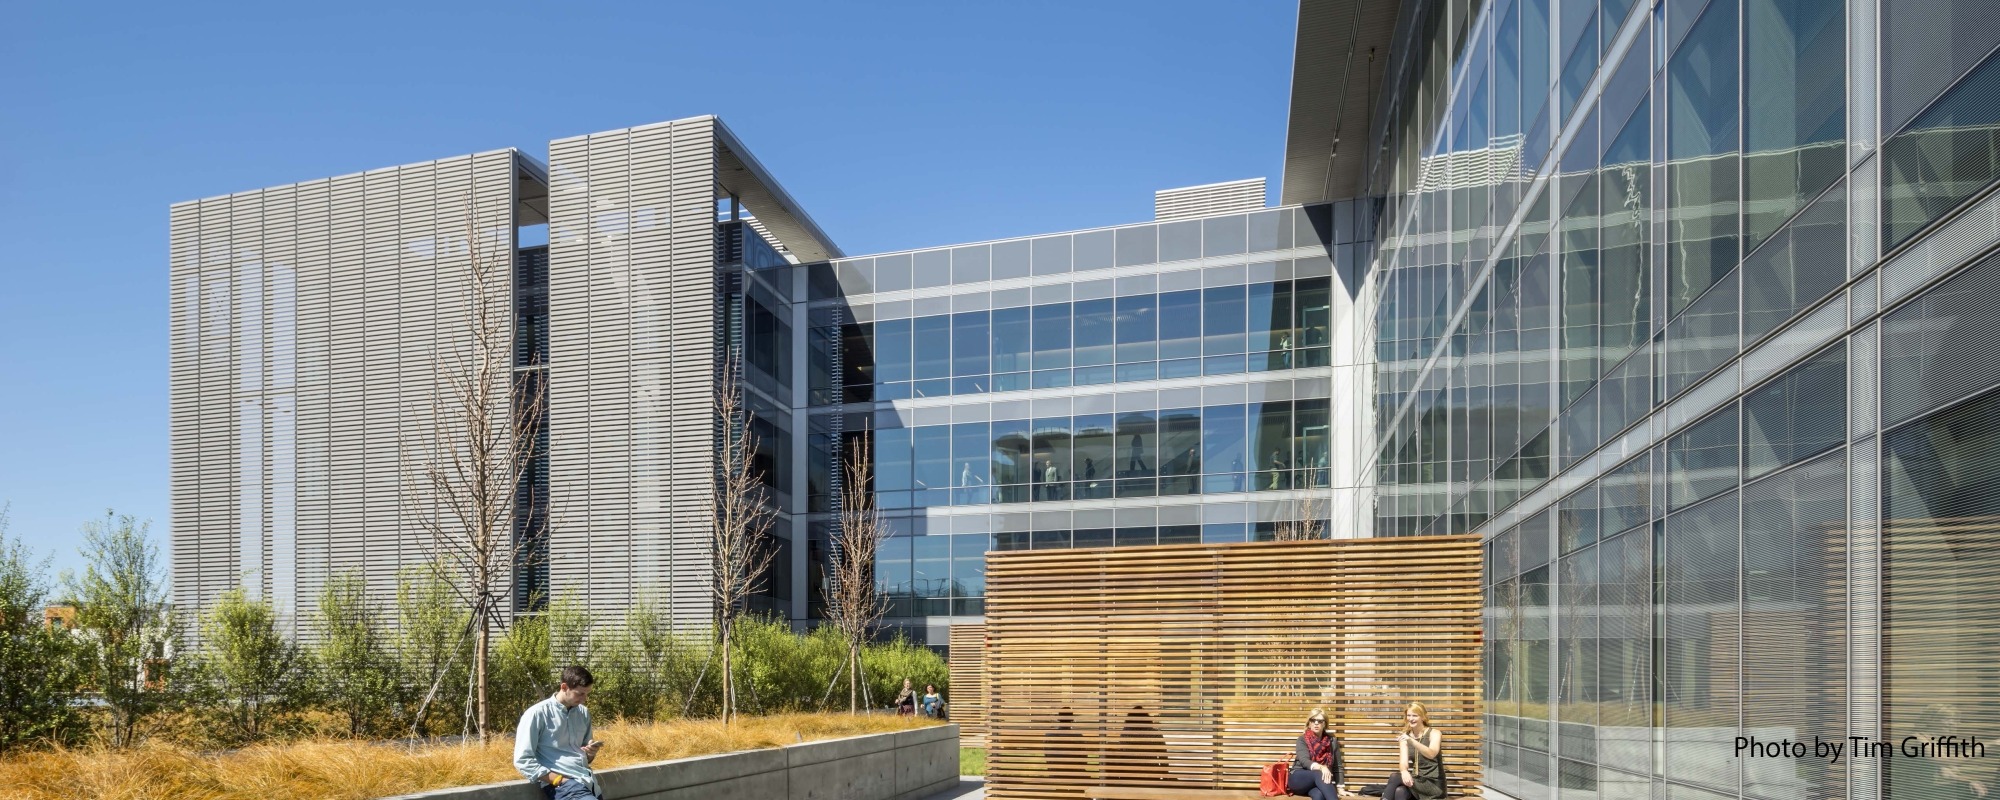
(968, 683)
(1189, 667)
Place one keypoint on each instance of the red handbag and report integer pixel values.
(1272, 779)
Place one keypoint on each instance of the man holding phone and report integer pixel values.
(552, 745)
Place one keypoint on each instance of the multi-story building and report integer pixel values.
(1686, 307)
(1182, 380)
(309, 324)
(1683, 306)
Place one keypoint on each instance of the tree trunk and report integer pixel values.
(853, 677)
(479, 669)
(728, 678)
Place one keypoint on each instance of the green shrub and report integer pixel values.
(432, 650)
(261, 677)
(886, 664)
(522, 671)
(42, 669)
(785, 671)
(357, 672)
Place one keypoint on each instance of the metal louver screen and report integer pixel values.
(305, 333)
(1208, 200)
(531, 306)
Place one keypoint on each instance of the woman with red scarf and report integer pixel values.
(1316, 761)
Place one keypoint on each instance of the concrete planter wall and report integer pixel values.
(906, 765)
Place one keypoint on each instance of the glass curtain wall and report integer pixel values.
(1255, 447)
(936, 358)
(1638, 324)
(1218, 330)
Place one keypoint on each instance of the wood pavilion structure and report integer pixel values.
(1188, 667)
(968, 683)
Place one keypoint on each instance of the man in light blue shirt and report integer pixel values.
(552, 745)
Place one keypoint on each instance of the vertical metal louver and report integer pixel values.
(531, 394)
(306, 330)
(632, 337)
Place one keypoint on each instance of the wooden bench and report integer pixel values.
(1149, 793)
(1156, 793)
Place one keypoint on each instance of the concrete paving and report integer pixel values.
(970, 787)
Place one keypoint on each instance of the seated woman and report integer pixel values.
(1419, 764)
(932, 701)
(1316, 769)
(906, 700)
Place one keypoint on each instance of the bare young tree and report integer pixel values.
(1308, 519)
(852, 603)
(487, 420)
(740, 518)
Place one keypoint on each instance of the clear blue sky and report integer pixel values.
(896, 125)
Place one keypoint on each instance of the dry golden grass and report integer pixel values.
(351, 770)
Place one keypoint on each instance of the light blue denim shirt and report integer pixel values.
(550, 738)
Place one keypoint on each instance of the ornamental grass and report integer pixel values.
(346, 769)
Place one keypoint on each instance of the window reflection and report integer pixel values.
(1138, 440)
(1092, 456)
(1225, 451)
(1795, 108)
(1180, 449)
(1052, 470)
(1266, 326)
(1225, 448)
(1701, 145)
(1947, 154)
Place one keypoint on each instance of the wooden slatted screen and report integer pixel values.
(1940, 587)
(1191, 666)
(968, 683)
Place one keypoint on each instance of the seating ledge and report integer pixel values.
(1156, 793)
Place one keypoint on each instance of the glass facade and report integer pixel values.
(1268, 446)
(1224, 328)
(1690, 309)
(1684, 307)
(756, 313)
(1167, 382)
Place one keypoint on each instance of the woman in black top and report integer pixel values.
(1419, 758)
(1316, 761)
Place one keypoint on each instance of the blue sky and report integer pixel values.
(896, 125)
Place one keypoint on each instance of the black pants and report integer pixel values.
(1308, 783)
(1395, 790)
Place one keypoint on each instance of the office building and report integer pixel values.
(1683, 306)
